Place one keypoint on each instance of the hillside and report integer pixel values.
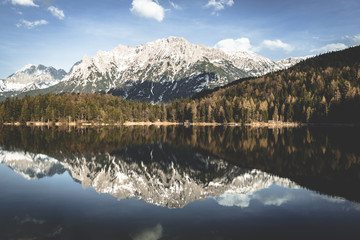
(325, 88)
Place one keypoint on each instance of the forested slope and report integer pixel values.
(325, 88)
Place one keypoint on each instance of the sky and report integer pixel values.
(59, 33)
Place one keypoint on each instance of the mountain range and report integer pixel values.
(157, 71)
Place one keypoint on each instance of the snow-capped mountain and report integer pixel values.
(157, 71)
(291, 61)
(156, 173)
(32, 77)
(162, 70)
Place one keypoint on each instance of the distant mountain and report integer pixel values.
(291, 61)
(162, 70)
(31, 77)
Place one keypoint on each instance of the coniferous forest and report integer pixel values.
(324, 89)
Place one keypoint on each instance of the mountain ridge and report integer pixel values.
(31, 77)
(173, 66)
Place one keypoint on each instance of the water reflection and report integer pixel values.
(31, 165)
(174, 179)
(87, 183)
(322, 159)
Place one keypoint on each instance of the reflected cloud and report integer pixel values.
(28, 219)
(265, 196)
(269, 198)
(339, 200)
(331, 198)
(56, 231)
(230, 200)
(153, 233)
(356, 206)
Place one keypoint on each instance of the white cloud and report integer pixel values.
(148, 9)
(56, 12)
(175, 6)
(355, 40)
(276, 44)
(243, 44)
(27, 3)
(232, 45)
(218, 5)
(29, 25)
(330, 47)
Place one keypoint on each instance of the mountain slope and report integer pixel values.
(162, 70)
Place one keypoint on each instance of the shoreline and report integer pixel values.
(151, 123)
(269, 124)
(274, 124)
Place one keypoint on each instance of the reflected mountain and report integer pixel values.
(31, 165)
(157, 173)
(172, 166)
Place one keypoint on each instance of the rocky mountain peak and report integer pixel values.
(157, 71)
(32, 76)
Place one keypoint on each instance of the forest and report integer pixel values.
(323, 89)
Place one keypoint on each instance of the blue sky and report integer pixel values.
(58, 33)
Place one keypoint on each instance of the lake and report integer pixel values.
(179, 183)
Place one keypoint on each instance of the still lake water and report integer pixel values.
(180, 183)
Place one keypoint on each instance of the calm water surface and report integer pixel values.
(179, 183)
